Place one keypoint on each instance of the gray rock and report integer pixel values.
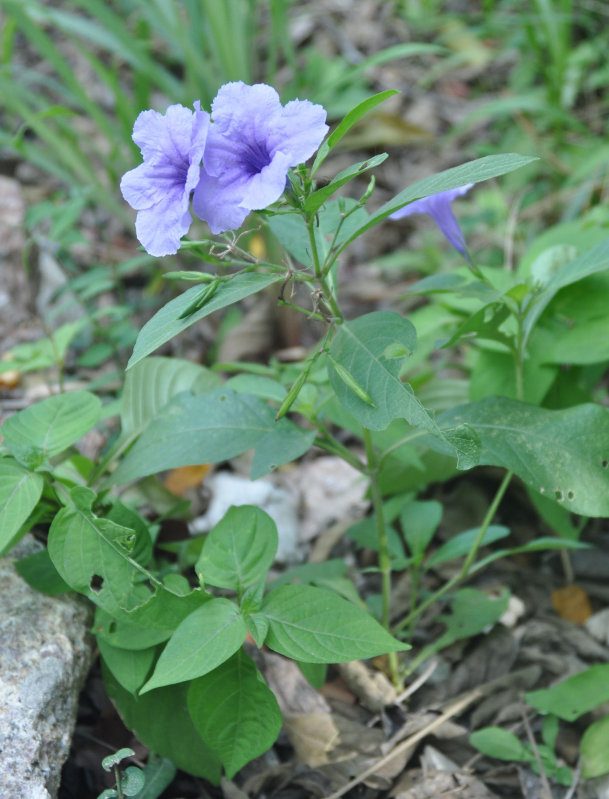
(45, 654)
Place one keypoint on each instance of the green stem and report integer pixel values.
(330, 444)
(329, 297)
(458, 578)
(383, 544)
(381, 529)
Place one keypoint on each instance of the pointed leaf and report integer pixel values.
(20, 491)
(214, 427)
(491, 166)
(235, 712)
(318, 626)
(166, 323)
(151, 384)
(204, 640)
(526, 440)
(160, 720)
(239, 550)
(371, 349)
(51, 425)
(347, 123)
(319, 197)
(578, 694)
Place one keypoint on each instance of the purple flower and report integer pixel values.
(438, 206)
(250, 146)
(159, 189)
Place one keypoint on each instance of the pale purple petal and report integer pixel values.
(218, 204)
(267, 186)
(161, 227)
(251, 144)
(172, 146)
(299, 131)
(438, 206)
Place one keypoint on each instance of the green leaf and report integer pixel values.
(159, 774)
(204, 640)
(20, 491)
(419, 522)
(347, 123)
(319, 197)
(130, 667)
(524, 439)
(499, 743)
(149, 624)
(235, 712)
(491, 166)
(160, 720)
(113, 760)
(588, 263)
(151, 384)
(472, 611)
(239, 550)
(314, 673)
(371, 349)
(38, 571)
(51, 425)
(214, 427)
(94, 556)
(459, 545)
(166, 324)
(594, 748)
(574, 696)
(133, 781)
(317, 626)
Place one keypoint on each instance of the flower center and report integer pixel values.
(254, 157)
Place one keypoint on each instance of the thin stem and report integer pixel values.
(458, 578)
(332, 445)
(381, 529)
(329, 297)
(383, 544)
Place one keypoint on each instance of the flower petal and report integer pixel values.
(299, 131)
(141, 188)
(167, 136)
(238, 107)
(218, 204)
(268, 185)
(160, 228)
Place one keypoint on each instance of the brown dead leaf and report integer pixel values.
(10, 379)
(572, 604)
(180, 480)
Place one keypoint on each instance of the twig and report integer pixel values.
(407, 743)
(576, 775)
(546, 790)
(421, 680)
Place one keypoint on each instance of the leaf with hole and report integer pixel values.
(524, 438)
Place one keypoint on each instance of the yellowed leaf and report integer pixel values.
(180, 480)
(572, 604)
